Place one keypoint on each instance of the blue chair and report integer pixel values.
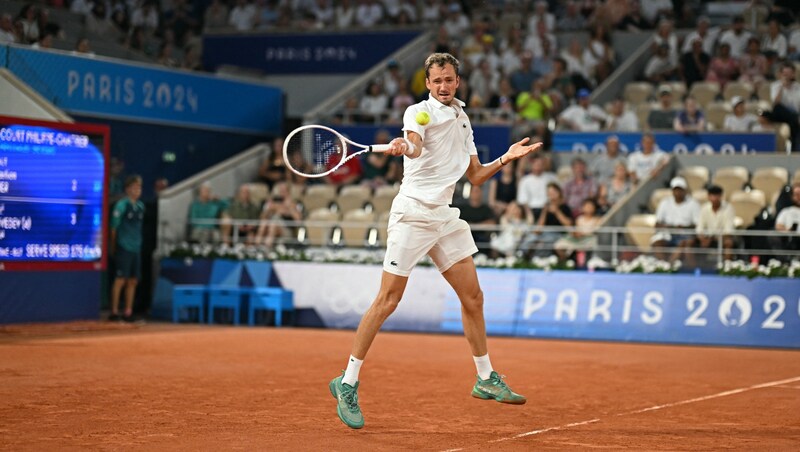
(263, 297)
(224, 292)
(187, 298)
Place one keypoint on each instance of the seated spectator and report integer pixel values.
(579, 188)
(477, 212)
(604, 165)
(663, 117)
(583, 116)
(216, 16)
(705, 33)
(583, 237)
(578, 63)
(392, 78)
(543, 64)
(345, 13)
(504, 101)
(376, 165)
(456, 23)
(28, 20)
(715, 221)
(621, 119)
(347, 174)
(665, 34)
(674, 212)
(513, 224)
(98, 21)
(375, 103)
(788, 219)
(273, 169)
(535, 41)
(647, 162)
(279, 209)
(694, 64)
(241, 207)
(523, 77)
(82, 47)
(785, 95)
(45, 42)
(793, 48)
(599, 53)
(690, 119)
(661, 67)
(204, 214)
(739, 120)
(532, 190)
(554, 213)
(484, 81)
(503, 188)
(572, 20)
(723, 67)
(7, 33)
(323, 13)
(634, 20)
(543, 16)
(774, 40)
(146, 16)
(736, 38)
(753, 65)
(400, 101)
(534, 105)
(614, 189)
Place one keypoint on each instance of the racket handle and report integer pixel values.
(380, 147)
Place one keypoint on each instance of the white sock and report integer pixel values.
(351, 373)
(484, 366)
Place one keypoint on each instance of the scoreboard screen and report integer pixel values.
(52, 195)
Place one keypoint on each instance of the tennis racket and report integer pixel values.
(316, 151)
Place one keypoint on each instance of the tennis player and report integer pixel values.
(439, 149)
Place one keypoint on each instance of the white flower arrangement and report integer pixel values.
(773, 269)
(648, 264)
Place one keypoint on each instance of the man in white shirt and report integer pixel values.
(736, 37)
(647, 162)
(620, 119)
(583, 116)
(788, 218)
(438, 153)
(674, 212)
(716, 221)
(785, 95)
(242, 15)
(532, 188)
(739, 120)
(7, 29)
(707, 35)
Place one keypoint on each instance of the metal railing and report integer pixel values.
(613, 245)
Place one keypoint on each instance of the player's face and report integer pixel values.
(442, 82)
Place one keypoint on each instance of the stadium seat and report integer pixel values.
(643, 111)
(263, 297)
(296, 191)
(384, 196)
(764, 94)
(704, 92)
(770, 180)
(730, 178)
(636, 93)
(696, 177)
(353, 197)
(318, 234)
(748, 204)
(226, 294)
(741, 89)
(715, 114)
(564, 174)
(318, 196)
(656, 196)
(678, 89)
(225, 274)
(641, 228)
(796, 176)
(258, 193)
(355, 225)
(701, 196)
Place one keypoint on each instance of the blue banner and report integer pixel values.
(319, 53)
(105, 88)
(693, 143)
(491, 141)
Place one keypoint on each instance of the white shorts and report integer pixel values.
(417, 229)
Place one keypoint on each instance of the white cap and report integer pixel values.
(678, 182)
(736, 100)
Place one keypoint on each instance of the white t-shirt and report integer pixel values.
(626, 122)
(719, 222)
(777, 45)
(241, 18)
(788, 217)
(532, 189)
(734, 123)
(790, 97)
(642, 165)
(447, 144)
(708, 42)
(671, 213)
(738, 42)
(585, 119)
(794, 40)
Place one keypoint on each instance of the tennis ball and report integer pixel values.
(423, 118)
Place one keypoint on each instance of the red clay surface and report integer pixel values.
(164, 387)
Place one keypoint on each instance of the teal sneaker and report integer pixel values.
(495, 388)
(347, 408)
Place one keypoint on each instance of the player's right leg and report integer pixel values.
(345, 387)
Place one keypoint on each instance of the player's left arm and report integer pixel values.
(478, 173)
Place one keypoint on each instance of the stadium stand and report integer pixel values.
(731, 179)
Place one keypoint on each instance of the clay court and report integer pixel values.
(166, 387)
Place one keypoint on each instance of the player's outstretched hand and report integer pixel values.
(521, 149)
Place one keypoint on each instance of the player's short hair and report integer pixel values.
(440, 59)
(133, 179)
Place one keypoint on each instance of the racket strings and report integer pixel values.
(315, 151)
